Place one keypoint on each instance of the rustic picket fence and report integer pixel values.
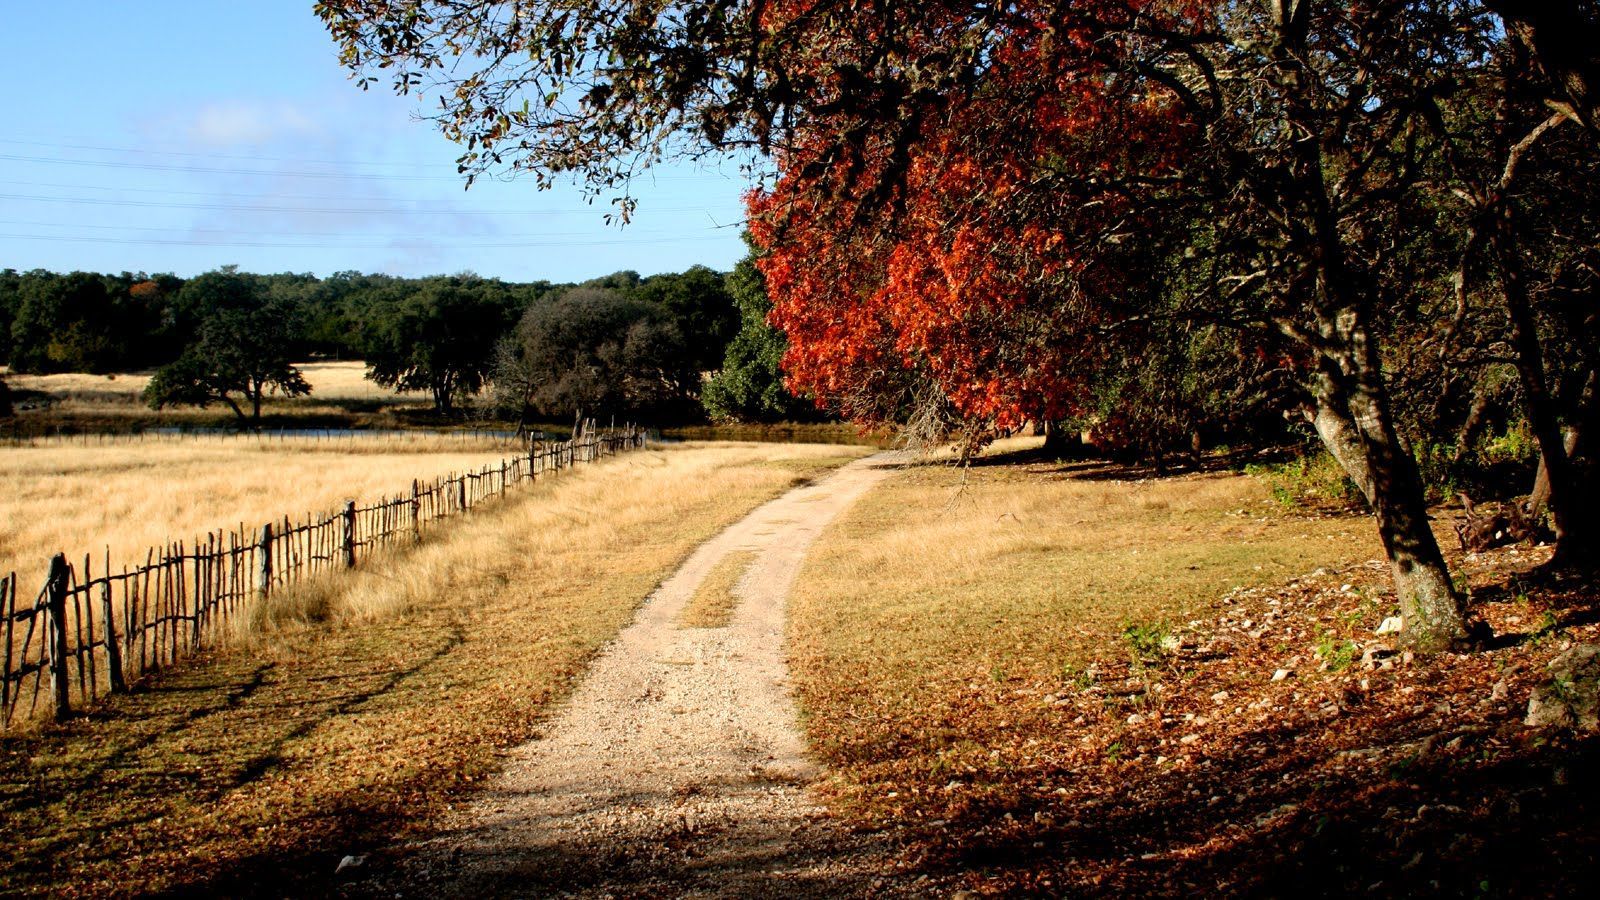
(86, 634)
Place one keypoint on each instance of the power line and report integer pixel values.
(323, 245)
(239, 207)
(647, 175)
(332, 197)
(208, 170)
(192, 154)
(297, 233)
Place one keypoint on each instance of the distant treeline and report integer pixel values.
(621, 343)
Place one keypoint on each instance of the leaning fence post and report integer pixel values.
(113, 651)
(56, 601)
(416, 513)
(461, 492)
(350, 534)
(264, 585)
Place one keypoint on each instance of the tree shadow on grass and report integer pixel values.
(83, 796)
(1421, 809)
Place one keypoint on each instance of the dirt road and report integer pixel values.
(677, 767)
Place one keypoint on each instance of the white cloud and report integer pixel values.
(234, 123)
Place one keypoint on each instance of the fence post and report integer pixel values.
(532, 446)
(416, 513)
(350, 534)
(264, 585)
(113, 650)
(461, 492)
(197, 590)
(56, 601)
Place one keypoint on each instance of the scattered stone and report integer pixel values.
(349, 863)
(1281, 674)
(1570, 698)
(1377, 658)
(1189, 739)
(1219, 696)
(1500, 690)
(1391, 625)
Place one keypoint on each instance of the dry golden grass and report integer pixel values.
(62, 497)
(338, 389)
(346, 380)
(360, 713)
(713, 602)
(118, 388)
(934, 591)
(333, 380)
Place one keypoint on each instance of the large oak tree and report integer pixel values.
(981, 209)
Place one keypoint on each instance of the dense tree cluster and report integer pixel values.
(622, 344)
(1151, 217)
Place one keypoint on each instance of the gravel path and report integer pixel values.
(676, 769)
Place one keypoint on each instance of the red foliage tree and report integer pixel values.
(971, 289)
(975, 198)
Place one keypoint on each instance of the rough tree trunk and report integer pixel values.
(1357, 429)
(1588, 409)
(1061, 442)
(1575, 537)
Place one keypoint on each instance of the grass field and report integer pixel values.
(59, 496)
(715, 600)
(1065, 680)
(340, 395)
(348, 731)
(940, 589)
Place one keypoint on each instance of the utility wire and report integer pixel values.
(164, 167)
(329, 197)
(106, 201)
(323, 245)
(346, 233)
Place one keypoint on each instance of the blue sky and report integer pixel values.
(179, 136)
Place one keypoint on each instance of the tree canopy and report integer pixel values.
(989, 213)
(240, 353)
(439, 339)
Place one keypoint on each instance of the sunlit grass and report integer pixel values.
(942, 592)
(60, 496)
(361, 708)
(339, 391)
(714, 601)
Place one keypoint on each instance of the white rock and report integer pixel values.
(350, 862)
(1391, 625)
(1281, 674)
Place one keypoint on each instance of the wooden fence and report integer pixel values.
(86, 633)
